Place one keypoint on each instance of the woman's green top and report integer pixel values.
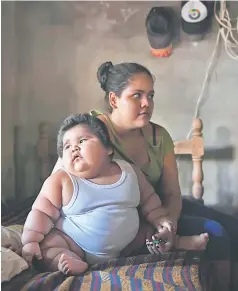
(158, 147)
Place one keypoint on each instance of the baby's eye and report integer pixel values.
(67, 146)
(136, 95)
(82, 140)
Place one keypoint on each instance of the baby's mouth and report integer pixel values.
(77, 157)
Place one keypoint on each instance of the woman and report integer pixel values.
(129, 93)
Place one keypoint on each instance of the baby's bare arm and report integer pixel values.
(150, 203)
(45, 210)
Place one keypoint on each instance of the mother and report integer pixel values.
(129, 93)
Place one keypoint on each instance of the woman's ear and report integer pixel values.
(110, 151)
(113, 100)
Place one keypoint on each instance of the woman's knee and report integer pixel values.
(214, 228)
(219, 245)
(191, 225)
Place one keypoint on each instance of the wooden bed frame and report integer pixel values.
(46, 149)
(195, 148)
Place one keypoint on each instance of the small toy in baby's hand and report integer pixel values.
(153, 246)
(159, 241)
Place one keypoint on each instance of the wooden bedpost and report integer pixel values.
(43, 150)
(197, 156)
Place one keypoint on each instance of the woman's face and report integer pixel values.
(135, 105)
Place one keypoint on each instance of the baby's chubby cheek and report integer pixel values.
(89, 154)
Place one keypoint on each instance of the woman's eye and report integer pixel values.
(136, 95)
(151, 96)
(67, 146)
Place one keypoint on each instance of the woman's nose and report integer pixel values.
(145, 102)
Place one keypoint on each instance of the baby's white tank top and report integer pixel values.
(102, 219)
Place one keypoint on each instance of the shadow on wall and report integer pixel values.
(224, 156)
(29, 165)
(25, 162)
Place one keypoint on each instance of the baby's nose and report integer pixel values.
(75, 147)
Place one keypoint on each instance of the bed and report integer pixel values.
(172, 271)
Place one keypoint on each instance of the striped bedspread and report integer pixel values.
(177, 271)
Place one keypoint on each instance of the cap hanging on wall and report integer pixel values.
(196, 17)
(159, 27)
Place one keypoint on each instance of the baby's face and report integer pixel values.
(83, 152)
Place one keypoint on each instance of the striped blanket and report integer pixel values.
(177, 271)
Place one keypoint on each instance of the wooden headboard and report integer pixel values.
(46, 149)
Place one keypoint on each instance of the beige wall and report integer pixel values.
(8, 66)
(52, 51)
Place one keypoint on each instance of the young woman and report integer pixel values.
(129, 93)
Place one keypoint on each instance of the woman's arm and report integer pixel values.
(150, 204)
(169, 186)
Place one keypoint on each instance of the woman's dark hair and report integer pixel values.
(95, 125)
(116, 78)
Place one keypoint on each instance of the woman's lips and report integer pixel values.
(144, 114)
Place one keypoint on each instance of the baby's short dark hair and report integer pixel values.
(95, 125)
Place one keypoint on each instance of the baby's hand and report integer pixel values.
(162, 241)
(31, 250)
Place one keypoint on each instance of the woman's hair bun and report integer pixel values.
(103, 72)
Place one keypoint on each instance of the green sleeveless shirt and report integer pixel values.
(156, 150)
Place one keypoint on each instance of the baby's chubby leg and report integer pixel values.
(61, 253)
(146, 230)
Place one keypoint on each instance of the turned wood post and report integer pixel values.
(197, 157)
(43, 150)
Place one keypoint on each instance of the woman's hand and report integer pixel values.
(169, 222)
(162, 241)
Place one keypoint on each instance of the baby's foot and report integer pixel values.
(71, 265)
(194, 242)
(199, 242)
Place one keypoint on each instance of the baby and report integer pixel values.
(86, 212)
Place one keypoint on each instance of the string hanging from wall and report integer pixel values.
(225, 32)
